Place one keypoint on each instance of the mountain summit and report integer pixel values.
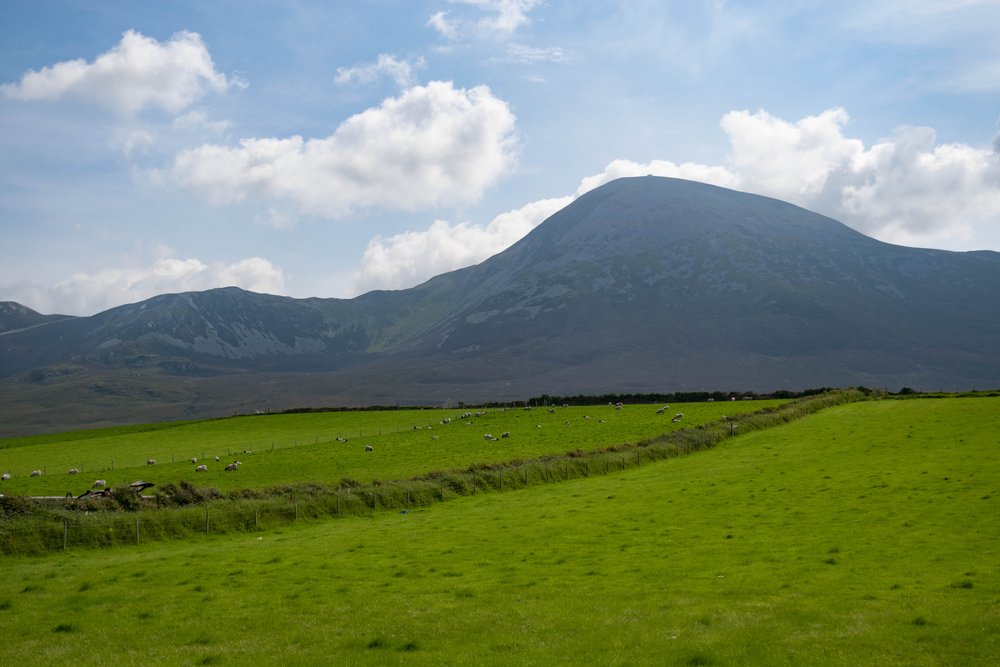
(643, 284)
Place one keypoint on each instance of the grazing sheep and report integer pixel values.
(552, 411)
(5, 476)
(98, 484)
(488, 436)
(434, 437)
(194, 459)
(36, 473)
(619, 405)
(216, 458)
(151, 462)
(232, 466)
(663, 409)
(505, 434)
(201, 468)
(679, 416)
(73, 471)
(369, 448)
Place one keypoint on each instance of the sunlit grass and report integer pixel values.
(864, 534)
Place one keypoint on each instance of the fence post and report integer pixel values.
(137, 531)
(206, 520)
(501, 479)
(256, 519)
(65, 533)
(296, 506)
(442, 489)
(638, 460)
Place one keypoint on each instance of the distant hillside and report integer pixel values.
(644, 284)
(15, 317)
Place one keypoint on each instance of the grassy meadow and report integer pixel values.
(287, 448)
(867, 533)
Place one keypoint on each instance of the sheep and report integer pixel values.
(434, 437)
(619, 405)
(5, 476)
(488, 436)
(369, 448)
(151, 462)
(98, 484)
(36, 473)
(216, 458)
(194, 459)
(505, 434)
(679, 416)
(663, 409)
(73, 471)
(232, 466)
(201, 468)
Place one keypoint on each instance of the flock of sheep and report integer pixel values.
(235, 465)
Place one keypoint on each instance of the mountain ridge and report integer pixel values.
(642, 284)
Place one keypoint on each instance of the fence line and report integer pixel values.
(60, 530)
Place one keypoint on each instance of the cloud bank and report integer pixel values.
(904, 189)
(138, 73)
(431, 145)
(89, 293)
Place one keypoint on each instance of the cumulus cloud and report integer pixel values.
(401, 72)
(410, 258)
(431, 145)
(905, 189)
(138, 73)
(502, 19)
(89, 293)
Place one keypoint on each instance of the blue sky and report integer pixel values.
(331, 148)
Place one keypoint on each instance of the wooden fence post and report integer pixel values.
(137, 531)
(206, 521)
(65, 533)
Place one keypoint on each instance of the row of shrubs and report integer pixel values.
(182, 510)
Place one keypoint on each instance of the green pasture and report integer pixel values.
(865, 534)
(292, 448)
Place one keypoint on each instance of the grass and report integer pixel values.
(292, 448)
(720, 558)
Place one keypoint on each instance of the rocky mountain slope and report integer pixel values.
(644, 284)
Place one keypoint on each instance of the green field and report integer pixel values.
(287, 448)
(865, 534)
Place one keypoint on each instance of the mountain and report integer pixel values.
(644, 284)
(15, 317)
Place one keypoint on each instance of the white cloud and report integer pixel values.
(529, 55)
(89, 293)
(431, 145)
(400, 71)
(502, 19)
(410, 258)
(906, 189)
(138, 73)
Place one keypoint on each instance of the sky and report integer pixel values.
(330, 148)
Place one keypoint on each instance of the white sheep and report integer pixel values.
(194, 459)
(36, 473)
(5, 476)
(151, 462)
(201, 468)
(505, 434)
(233, 466)
(99, 484)
(73, 471)
(369, 448)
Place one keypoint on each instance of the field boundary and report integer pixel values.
(35, 527)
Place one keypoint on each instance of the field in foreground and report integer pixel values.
(864, 534)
